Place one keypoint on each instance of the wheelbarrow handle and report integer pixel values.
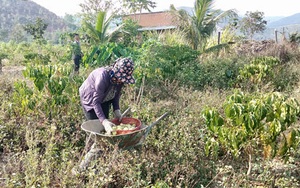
(158, 119)
(124, 113)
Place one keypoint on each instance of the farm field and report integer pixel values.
(233, 106)
(201, 142)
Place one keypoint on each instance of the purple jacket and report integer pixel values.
(94, 90)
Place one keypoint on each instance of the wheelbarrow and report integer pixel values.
(124, 141)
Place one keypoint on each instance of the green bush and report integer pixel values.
(260, 118)
(264, 71)
(221, 74)
(286, 77)
(160, 62)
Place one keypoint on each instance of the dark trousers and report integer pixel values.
(77, 60)
(89, 115)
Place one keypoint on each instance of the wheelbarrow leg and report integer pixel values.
(86, 144)
(91, 155)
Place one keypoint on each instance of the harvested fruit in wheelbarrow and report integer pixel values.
(127, 125)
(122, 127)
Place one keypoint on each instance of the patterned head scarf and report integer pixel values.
(123, 69)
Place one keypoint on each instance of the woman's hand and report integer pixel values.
(118, 114)
(108, 126)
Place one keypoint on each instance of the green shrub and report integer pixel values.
(160, 62)
(221, 73)
(36, 58)
(286, 77)
(263, 71)
(247, 118)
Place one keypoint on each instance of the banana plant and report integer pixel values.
(103, 54)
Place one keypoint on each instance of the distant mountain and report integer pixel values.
(286, 25)
(286, 21)
(16, 13)
(271, 19)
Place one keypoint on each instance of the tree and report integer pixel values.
(73, 20)
(91, 8)
(202, 24)
(100, 32)
(17, 33)
(294, 38)
(252, 23)
(139, 5)
(36, 29)
(130, 32)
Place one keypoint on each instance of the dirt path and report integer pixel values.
(11, 72)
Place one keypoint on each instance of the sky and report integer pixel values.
(269, 7)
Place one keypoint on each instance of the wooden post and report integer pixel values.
(283, 35)
(219, 37)
(276, 37)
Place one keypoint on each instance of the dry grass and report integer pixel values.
(12, 73)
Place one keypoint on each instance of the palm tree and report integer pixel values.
(100, 33)
(202, 24)
(101, 37)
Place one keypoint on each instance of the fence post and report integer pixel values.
(276, 37)
(219, 37)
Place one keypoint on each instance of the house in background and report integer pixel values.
(153, 21)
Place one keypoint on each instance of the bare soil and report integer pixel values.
(11, 72)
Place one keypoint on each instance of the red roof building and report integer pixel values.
(155, 21)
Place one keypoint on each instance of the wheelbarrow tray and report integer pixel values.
(124, 141)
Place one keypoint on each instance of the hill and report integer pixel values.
(286, 21)
(272, 19)
(16, 13)
(286, 25)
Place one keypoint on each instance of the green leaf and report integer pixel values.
(100, 21)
